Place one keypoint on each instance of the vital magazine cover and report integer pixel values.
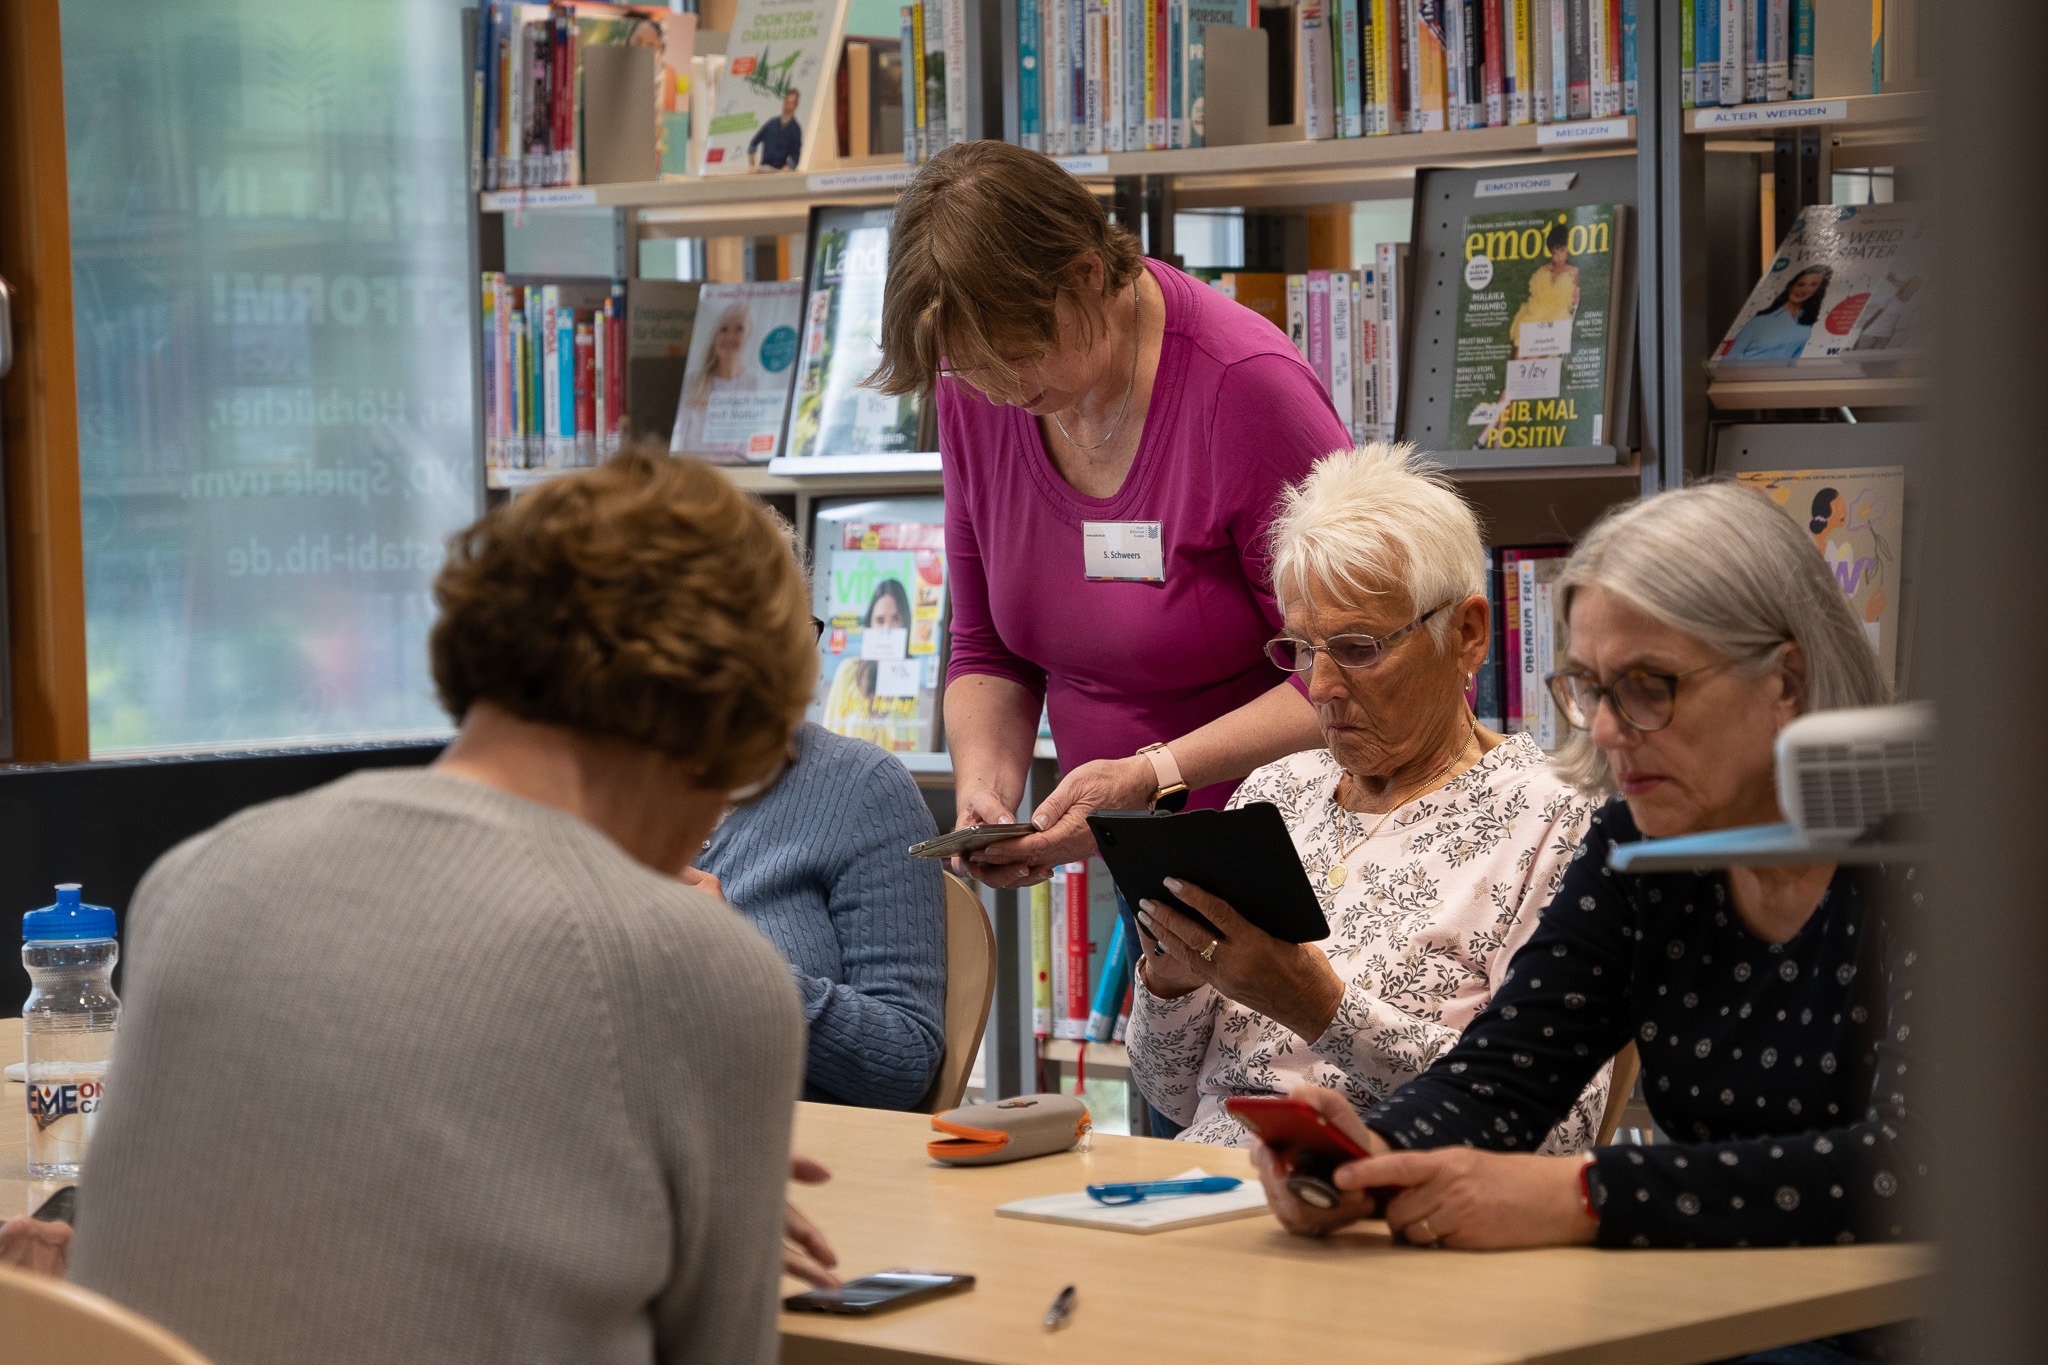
(880, 588)
(1536, 335)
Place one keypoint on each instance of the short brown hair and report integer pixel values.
(646, 599)
(986, 240)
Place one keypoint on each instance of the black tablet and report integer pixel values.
(1243, 857)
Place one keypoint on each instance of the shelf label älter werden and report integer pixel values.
(1771, 115)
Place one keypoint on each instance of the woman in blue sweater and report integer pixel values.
(818, 863)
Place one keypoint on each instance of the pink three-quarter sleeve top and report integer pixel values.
(1236, 416)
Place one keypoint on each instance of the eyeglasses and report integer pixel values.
(1644, 700)
(1293, 654)
(817, 629)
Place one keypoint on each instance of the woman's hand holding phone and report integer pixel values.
(1355, 1201)
(980, 806)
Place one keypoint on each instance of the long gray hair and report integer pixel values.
(1723, 565)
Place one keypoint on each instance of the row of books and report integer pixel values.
(1116, 75)
(1744, 51)
(1372, 67)
(1065, 1003)
(936, 63)
(550, 86)
(554, 371)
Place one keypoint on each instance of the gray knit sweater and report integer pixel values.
(818, 864)
(413, 1070)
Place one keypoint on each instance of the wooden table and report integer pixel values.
(1244, 1292)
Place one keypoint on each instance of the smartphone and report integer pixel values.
(1314, 1147)
(968, 838)
(873, 1293)
(61, 1207)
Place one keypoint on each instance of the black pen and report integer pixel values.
(1062, 1309)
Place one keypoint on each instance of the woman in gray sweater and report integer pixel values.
(449, 1064)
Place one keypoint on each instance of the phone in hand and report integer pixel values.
(1313, 1146)
(968, 839)
(61, 1207)
(874, 1293)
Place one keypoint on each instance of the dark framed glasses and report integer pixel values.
(1292, 654)
(1644, 699)
(817, 629)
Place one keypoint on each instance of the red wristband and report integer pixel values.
(1586, 1189)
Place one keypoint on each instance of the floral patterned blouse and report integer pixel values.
(1424, 921)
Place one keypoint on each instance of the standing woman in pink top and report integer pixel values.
(1116, 436)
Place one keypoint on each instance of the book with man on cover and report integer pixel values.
(1845, 296)
(834, 413)
(771, 99)
(1537, 328)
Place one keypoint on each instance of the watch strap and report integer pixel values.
(1170, 789)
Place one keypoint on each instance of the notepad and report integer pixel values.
(1147, 1215)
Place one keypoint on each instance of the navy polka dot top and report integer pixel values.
(1779, 1072)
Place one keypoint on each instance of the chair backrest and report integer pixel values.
(1627, 1066)
(48, 1320)
(970, 985)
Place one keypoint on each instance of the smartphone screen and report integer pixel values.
(871, 1293)
(61, 1207)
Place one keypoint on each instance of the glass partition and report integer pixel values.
(272, 287)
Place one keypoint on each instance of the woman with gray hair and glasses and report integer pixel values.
(1770, 1005)
(1431, 841)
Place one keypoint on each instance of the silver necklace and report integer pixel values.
(1130, 387)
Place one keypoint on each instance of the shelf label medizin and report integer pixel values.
(1771, 115)
(1594, 130)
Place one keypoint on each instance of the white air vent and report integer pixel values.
(1840, 773)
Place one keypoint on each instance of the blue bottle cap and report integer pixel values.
(68, 921)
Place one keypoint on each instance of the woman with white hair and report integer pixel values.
(1770, 1004)
(1431, 841)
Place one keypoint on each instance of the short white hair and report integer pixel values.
(1724, 565)
(1377, 519)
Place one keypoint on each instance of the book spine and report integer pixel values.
(1545, 653)
(1123, 1016)
(1756, 22)
(1313, 62)
(1319, 325)
(621, 366)
(1496, 82)
(1053, 70)
(1596, 56)
(1539, 62)
(485, 60)
(1157, 133)
(1613, 94)
(1706, 53)
(1455, 89)
(551, 377)
(1029, 133)
(1341, 345)
(1517, 702)
(913, 84)
(1688, 56)
(1113, 80)
(1733, 46)
(1111, 986)
(1135, 21)
(1297, 313)
(1070, 890)
(513, 455)
(1521, 94)
(1177, 74)
(1366, 321)
(492, 447)
(1777, 48)
(1475, 63)
(572, 120)
(600, 379)
(565, 361)
(1372, 66)
(562, 95)
(1350, 92)
(957, 67)
(1486, 698)
(585, 362)
(1630, 83)
(1094, 62)
(506, 421)
(938, 135)
(1406, 110)
(1801, 75)
(1388, 271)
(1430, 59)
(534, 39)
(1877, 47)
(1041, 960)
(511, 103)
(539, 327)
(1560, 60)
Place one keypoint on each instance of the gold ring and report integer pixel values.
(1209, 953)
(1429, 1232)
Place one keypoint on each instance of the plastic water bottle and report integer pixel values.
(67, 1028)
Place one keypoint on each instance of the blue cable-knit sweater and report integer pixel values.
(818, 864)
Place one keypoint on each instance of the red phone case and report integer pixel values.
(1292, 1125)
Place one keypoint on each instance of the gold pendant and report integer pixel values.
(1335, 876)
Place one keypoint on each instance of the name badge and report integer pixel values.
(1123, 550)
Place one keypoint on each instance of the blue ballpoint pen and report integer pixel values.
(1133, 1191)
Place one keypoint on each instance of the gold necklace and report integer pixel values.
(1337, 874)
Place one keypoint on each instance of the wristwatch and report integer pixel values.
(1171, 793)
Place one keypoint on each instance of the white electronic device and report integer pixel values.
(1842, 774)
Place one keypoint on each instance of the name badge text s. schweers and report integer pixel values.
(1128, 551)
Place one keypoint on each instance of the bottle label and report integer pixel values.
(63, 1109)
